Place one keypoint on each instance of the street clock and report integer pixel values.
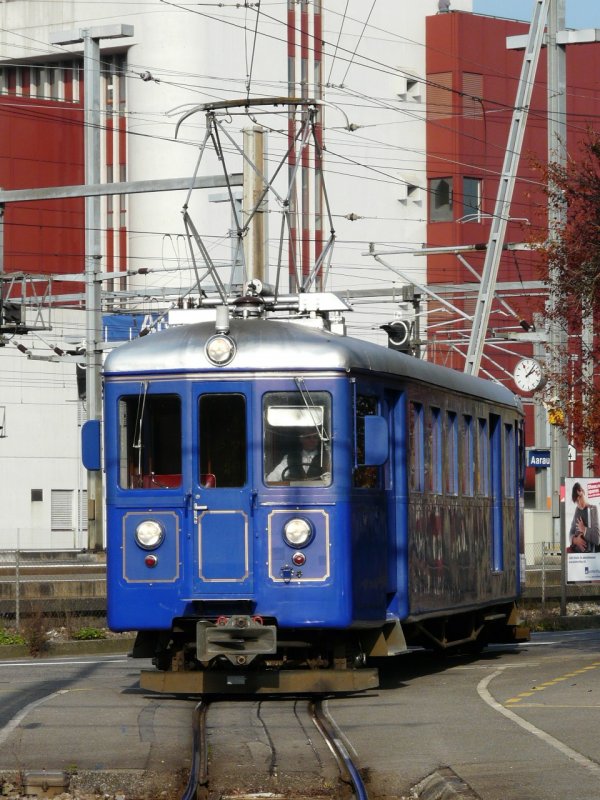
(529, 375)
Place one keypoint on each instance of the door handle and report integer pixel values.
(197, 507)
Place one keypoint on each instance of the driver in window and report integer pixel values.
(310, 461)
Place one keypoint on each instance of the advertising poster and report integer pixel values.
(582, 529)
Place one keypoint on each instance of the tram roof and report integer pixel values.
(286, 347)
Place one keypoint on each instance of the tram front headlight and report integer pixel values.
(149, 534)
(298, 532)
(220, 349)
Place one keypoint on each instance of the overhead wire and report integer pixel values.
(359, 41)
(351, 61)
(249, 71)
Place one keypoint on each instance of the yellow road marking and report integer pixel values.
(553, 682)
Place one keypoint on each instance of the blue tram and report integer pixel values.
(281, 497)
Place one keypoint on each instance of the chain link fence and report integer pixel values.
(543, 577)
(67, 588)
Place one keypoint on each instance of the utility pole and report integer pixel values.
(483, 307)
(557, 140)
(93, 254)
(557, 40)
(256, 239)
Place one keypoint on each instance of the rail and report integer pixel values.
(200, 785)
(197, 786)
(332, 736)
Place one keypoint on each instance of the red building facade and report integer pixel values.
(472, 85)
(41, 130)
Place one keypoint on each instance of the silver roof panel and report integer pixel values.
(271, 345)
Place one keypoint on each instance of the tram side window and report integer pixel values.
(451, 454)
(483, 458)
(435, 451)
(521, 451)
(467, 461)
(364, 477)
(223, 446)
(417, 447)
(509, 461)
(297, 438)
(150, 441)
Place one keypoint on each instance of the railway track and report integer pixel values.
(250, 748)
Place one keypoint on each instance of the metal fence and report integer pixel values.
(67, 586)
(543, 577)
(70, 585)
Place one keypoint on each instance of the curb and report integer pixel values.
(109, 783)
(444, 784)
(70, 648)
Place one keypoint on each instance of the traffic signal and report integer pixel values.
(399, 335)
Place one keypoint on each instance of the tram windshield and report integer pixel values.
(150, 441)
(297, 438)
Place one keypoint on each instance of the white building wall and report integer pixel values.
(39, 442)
(374, 173)
(197, 55)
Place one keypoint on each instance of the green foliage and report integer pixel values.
(87, 633)
(10, 637)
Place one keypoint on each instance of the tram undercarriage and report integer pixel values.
(245, 654)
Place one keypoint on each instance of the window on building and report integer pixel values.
(472, 93)
(58, 81)
(471, 210)
(440, 97)
(440, 200)
(61, 509)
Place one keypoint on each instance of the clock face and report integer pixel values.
(528, 375)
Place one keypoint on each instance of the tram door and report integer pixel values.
(221, 493)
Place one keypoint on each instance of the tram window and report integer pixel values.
(495, 491)
(364, 477)
(451, 454)
(509, 461)
(223, 445)
(150, 441)
(297, 438)
(467, 461)
(417, 448)
(435, 452)
(521, 446)
(483, 459)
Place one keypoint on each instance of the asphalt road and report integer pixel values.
(519, 723)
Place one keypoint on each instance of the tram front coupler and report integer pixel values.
(240, 638)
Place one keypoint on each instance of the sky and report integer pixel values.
(580, 13)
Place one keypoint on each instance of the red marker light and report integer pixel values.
(299, 559)
(151, 561)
